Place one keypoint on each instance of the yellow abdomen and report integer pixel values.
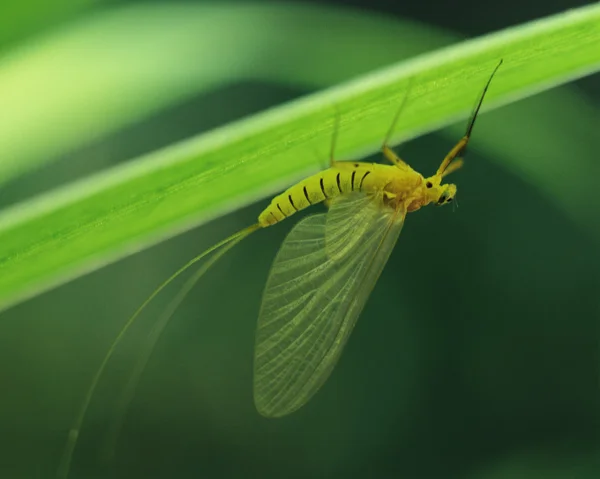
(343, 178)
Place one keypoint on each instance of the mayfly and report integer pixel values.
(321, 277)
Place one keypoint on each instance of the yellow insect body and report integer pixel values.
(320, 279)
(398, 184)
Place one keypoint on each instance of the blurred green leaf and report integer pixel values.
(554, 463)
(19, 19)
(114, 68)
(65, 233)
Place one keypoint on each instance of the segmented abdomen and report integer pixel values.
(314, 189)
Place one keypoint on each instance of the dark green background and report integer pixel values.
(476, 357)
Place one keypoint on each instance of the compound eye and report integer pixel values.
(441, 200)
(448, 200)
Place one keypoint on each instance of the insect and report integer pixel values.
(321, 277)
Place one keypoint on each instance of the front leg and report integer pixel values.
(391, 156)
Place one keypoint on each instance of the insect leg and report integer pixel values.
(388, 153)
(334, 135)
(392, 157)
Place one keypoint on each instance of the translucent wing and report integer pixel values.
(318, 285)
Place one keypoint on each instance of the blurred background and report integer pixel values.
(477, 355)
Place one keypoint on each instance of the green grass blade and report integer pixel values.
(76, 229)
(308, 37)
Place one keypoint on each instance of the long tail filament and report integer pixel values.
(227, 244)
